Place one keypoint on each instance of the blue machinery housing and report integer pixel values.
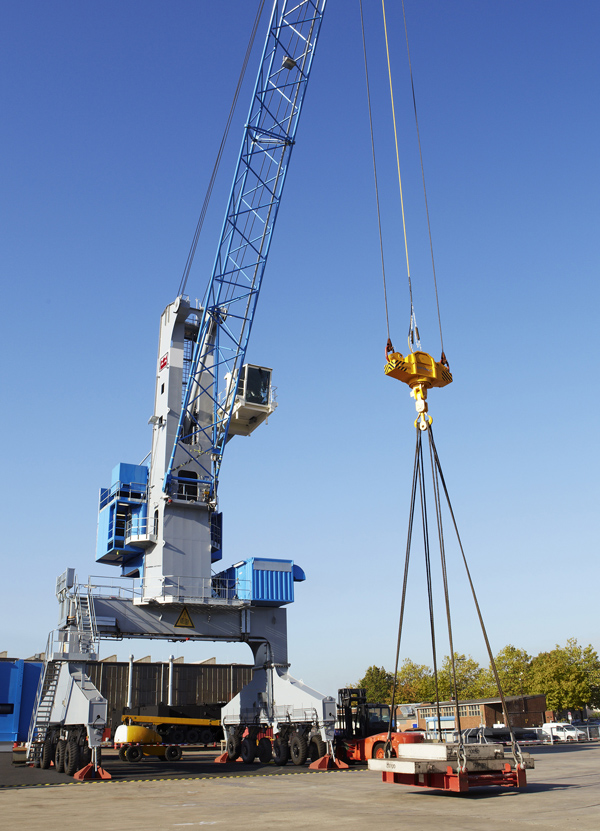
(264, 582)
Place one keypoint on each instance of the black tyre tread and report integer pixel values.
(123, 753)
(316, 748)
(248, 750)
(376, 748)
(281, 751)
(265, 750)
(134, 754)
(298, 749)
(47, 754)
(234, 746)
(173, 753)
(59, 756)
(206, 736)
(72, 758)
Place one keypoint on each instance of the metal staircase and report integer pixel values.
(85, 622)
(42, 711)
(81, 639)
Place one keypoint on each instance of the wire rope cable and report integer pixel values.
(412, 329)
(426, 546)
(412, 84)
(200, 224)
(411, 516)
(362, 23)
(438, 514)
(518, 756)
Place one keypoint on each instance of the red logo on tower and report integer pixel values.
(164, 361)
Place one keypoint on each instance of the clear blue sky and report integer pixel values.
(112, 115)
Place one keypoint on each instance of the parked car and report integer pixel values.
(562, 731)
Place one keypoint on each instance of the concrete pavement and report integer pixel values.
(563, 793)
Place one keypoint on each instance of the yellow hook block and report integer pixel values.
(418, 370)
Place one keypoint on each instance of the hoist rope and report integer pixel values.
(387, 49)
(423, 177)
(192, 252)
(362, 23)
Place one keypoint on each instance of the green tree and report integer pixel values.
(558, 676)
(414, 683)
(514, 669)
(586, 658)
(378, 683)
(471, 680)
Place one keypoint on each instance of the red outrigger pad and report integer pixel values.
(328, 762)
(88, 772)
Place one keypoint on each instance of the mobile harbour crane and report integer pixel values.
(160, 523)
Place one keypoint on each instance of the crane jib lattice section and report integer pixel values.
(230, 300)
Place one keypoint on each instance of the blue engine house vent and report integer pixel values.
(260, 581)
(123, 529)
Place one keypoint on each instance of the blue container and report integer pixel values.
(19, 681)
(262, 582)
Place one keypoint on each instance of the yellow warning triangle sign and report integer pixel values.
(184, 620)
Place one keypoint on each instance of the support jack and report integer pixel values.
(328, 762)
(88, 772)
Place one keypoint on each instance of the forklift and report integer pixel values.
(362, 728)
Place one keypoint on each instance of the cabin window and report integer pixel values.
(187, 489)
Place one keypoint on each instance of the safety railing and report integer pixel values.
(139, 529)
(131, 491)
(210, 590)
(215, 591)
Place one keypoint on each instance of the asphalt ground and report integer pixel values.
(563, 792)
(194, 763)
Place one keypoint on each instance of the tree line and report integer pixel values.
(569, 677)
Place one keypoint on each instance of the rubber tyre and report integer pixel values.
(206, 736)
(298, 749)
(59, 756)
(134, 754)
(47, 754)
(85, 755)
(123, 753)
(281, 751)
(192, 736)
(378, 750)
(264, 750)
(248, 750)
(176, 737)
(173, 753)
(72, 758)
(316, 749)
(234, 746)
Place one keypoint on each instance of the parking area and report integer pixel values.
(562, 792)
